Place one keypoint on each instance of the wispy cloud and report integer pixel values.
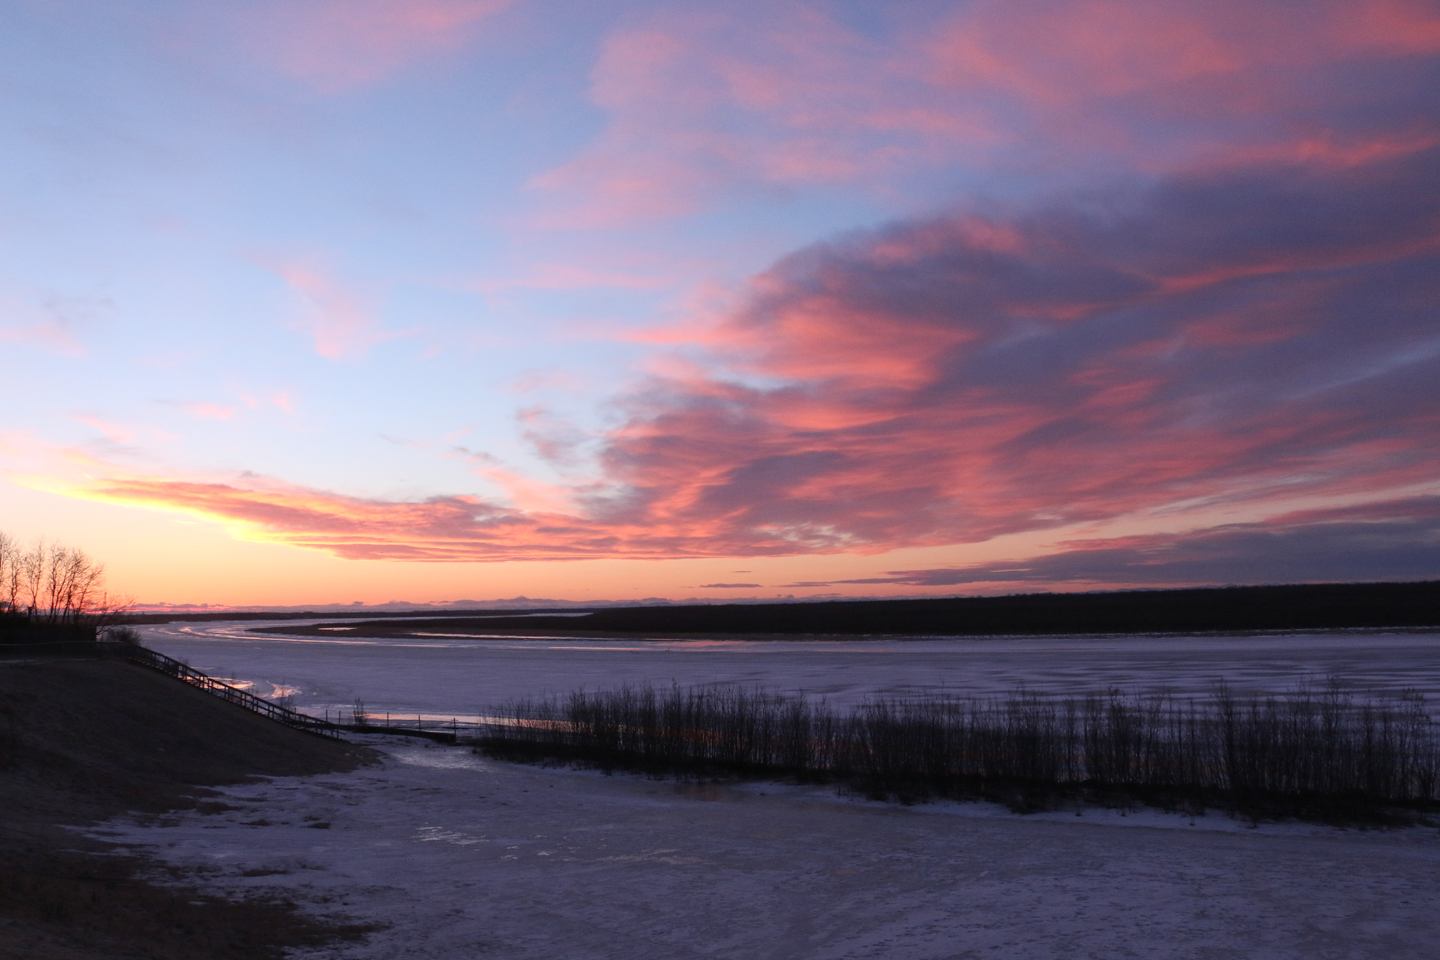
(555, 440)
(112, 432)
(342, 321)
(204, 409)
(1390, 540)
(706, 102)
(566, 276)
(456, 528)
(339, 45)
(49, 321)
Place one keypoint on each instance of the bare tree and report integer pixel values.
(55, 585)
(32, 578)
(9, 575)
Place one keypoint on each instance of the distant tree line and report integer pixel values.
(1301, 606)
(50, 591)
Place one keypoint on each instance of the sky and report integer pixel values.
(356, 301)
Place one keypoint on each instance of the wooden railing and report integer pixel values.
(154, 660)
(145, 657)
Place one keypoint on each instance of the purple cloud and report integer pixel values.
(1399, 540)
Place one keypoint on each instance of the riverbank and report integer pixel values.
(459, 856)
(83, 742)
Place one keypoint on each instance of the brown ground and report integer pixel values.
(84, 741)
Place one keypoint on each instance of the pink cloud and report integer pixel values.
(342, 321)
(546, 379)
(557, 441)
(112, 432)
(280, 399)
(1156, 84)
(1385, 540)
(1060, 52)
(703, 102)
(1246, 335)
(51, 335)
(442, 529)
(532, 496)
(337, 45)
(207, 410)
(562, 276)
(49, 321)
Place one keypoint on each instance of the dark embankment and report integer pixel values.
(1318, 754)
(17, 630)
(82, 741)
(1297, 607)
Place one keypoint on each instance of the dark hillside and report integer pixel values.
(22, 630)
(85, 741)
(1295, 607)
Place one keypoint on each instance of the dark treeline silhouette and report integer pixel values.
(51, 593)
(1293, 607)
(209, 616)
(1315, 753)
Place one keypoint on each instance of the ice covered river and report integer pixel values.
(456, 856)
(442, 677)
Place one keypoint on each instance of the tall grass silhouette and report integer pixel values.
(1316, 751)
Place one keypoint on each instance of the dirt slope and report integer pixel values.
(84, 741)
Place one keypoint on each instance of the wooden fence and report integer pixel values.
(154, 660)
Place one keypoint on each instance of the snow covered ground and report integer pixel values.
(442, 678)
(467, 858)
(464, 857)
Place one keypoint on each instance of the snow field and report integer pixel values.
(464, 857)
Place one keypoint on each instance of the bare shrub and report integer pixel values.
(1311, 751)
(121, 634)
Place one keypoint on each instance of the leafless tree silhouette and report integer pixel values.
(53, 585)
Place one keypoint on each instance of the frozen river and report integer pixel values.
(445, 677)
(457, 856)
